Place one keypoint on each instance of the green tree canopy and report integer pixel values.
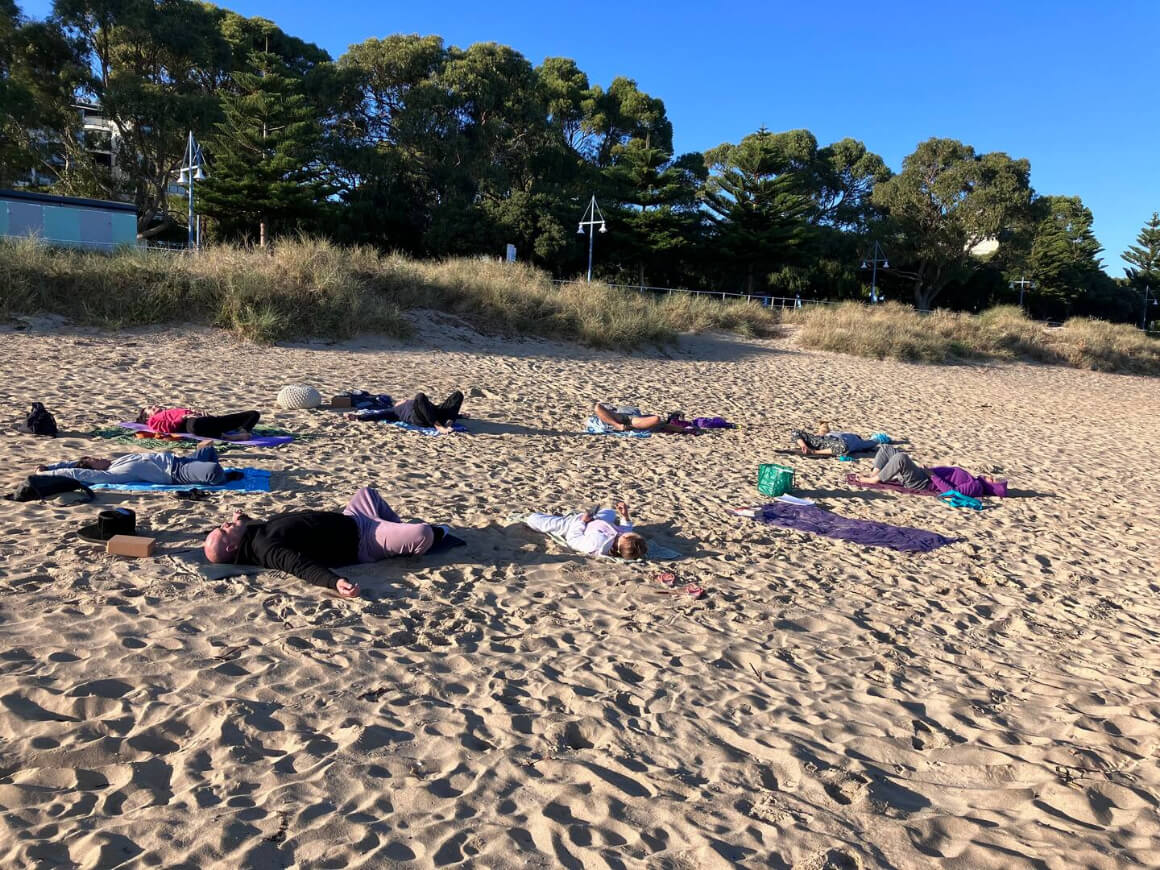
(266, 174)
(1144, 256)
(758, 210)
(946, 202)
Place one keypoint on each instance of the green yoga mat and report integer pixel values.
(124, 436)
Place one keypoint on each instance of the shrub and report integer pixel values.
(898, 332)
(308, 287)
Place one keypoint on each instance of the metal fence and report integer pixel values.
(779, 302)
(764, 299)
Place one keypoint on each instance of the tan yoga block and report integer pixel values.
(340, 402)
(129, 545)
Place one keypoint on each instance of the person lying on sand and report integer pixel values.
(419, 411)
(309, 543)
(201, 468)
(824, 442)
(892, 465)
(172, 421)
(594, 532)
(624, 418)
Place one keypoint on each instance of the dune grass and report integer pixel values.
(894, 331)
(312, 288)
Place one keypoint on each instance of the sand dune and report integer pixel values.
(990, 704)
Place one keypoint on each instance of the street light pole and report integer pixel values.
(1022, 283)
(877, 255)
(192, 170)
(589, 219)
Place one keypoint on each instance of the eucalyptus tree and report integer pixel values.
(944, 205)
(39, 71)
(155, 69)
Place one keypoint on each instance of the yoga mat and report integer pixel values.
(259, 441)
(425, 430)
(852, 479)
(195, 559)
(253, 480)
(805, 518)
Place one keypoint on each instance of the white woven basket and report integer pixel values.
(298, 396)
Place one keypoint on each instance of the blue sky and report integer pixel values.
(1067, 84)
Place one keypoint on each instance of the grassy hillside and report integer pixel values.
(309, 288)
(898, 332)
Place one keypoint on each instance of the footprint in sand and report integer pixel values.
(924, 738)
(845, 786)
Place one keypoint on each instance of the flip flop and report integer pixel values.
(667, 578)
(695, 591)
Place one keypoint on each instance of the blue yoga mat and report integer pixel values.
(425, 430)
(252, 480)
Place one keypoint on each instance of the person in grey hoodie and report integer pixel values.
(201, 468)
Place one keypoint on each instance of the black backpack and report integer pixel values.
(40, 422)
(41, 486)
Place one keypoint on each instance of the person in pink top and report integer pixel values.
(595, 533)
(174, 421)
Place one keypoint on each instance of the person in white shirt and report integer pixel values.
(594, 532)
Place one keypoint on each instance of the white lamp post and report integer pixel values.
(192, 169)
(1022, 284)
(589, 219)
(877, 255)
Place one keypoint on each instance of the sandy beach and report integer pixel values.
(992, 704)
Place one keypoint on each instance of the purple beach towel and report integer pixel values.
(811, 518)
(853, 480)
(260, 441)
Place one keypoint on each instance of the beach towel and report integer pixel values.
(424, 430)
(596, 426)
(713, 423)
(656, 552)
(252, 480)
(256, 441)
(853, 480)
(956, 499)
(810, 518)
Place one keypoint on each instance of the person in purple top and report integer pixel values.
(892, 465)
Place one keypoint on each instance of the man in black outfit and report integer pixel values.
(308, 544)
(419, 411)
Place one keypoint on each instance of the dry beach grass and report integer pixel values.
(894, 331)
(310, 287)
(989, 705)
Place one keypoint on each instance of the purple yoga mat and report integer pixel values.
(260, 441)
(811, 518)
(853, 480)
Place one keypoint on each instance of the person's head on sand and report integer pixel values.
(221, 545)
(630, 545)
(148, 411)
(823, 428)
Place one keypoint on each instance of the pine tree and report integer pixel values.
(1145, 256)
(265, 167)
(759, 213)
